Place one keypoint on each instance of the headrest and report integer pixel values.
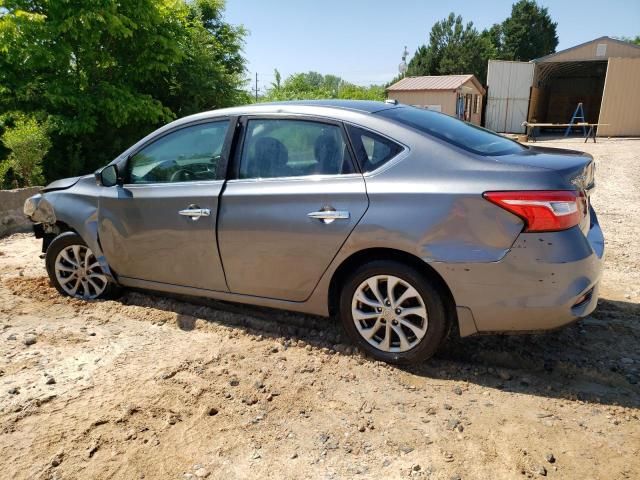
(327, 153)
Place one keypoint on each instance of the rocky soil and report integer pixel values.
(155, 387)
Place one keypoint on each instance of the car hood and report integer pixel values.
(61, 184)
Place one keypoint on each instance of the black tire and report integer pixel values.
(58, 244)
(434, 301)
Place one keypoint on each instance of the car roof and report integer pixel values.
(299, 106)
(333, 108)
(366, 106)
(330, 107)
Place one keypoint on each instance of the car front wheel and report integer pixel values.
(393, 312)
(74, 269)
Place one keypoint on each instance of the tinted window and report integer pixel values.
(291, 148)
(454, 131)
(186, 155)
(372, 150)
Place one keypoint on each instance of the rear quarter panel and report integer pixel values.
(428, 202)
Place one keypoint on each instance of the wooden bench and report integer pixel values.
(591, 128)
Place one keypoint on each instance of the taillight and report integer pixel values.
(543, 210)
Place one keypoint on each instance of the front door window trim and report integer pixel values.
(215, 145)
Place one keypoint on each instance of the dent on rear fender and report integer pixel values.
(469, 230)
(532, 288)
(437, 227)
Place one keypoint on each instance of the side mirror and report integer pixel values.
(108, 176)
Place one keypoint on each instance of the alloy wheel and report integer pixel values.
(389, 313)
(79, 273)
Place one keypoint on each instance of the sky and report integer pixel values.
(362, 41)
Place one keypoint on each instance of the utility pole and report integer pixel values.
(256, 89)
(402, 68)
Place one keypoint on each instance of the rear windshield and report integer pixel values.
(461, 134)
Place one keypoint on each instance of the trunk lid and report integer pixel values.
(576, 169)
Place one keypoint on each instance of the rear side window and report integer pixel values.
(293, 148)
(461, 134)
(372, 150)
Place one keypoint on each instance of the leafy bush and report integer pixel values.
(28, 142)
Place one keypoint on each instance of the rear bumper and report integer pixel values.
(547, 280)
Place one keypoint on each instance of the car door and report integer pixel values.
(160, 224)
(294, 197)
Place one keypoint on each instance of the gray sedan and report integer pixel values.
(405, 223)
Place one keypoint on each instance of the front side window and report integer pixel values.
(186, 155)
(372, 150)
(456, 132)
(292, 148)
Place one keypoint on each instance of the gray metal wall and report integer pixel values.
(509, 86)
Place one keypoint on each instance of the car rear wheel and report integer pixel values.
(393, 312)
(74, 269)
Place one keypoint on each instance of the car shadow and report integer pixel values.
(594, 360)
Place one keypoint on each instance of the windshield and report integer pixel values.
(461, 134)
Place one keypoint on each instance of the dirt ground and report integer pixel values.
(152, 387)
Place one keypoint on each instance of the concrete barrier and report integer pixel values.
(12, 219)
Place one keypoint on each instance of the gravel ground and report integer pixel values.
(155, 387)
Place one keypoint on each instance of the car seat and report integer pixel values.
(327, 153)
(270, 159)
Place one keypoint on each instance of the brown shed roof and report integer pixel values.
(587, 51)
(434, 82)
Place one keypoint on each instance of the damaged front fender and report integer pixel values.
(75, 209)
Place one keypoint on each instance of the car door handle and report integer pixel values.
(328, 216)
(195, 213)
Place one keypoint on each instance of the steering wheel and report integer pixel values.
(181, 175)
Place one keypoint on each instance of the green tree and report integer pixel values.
(349, 91)
(28, 142)
(493, 37)
(210, 75)
(313, 85)
(333, 83)
(528, 33)
(635, 40)
(422, 62)
(105, 72)
(277, 83)
(453, 48)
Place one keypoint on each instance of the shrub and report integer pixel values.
(28, 142)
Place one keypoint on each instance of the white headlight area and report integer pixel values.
(39, 210)
(31, 204)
